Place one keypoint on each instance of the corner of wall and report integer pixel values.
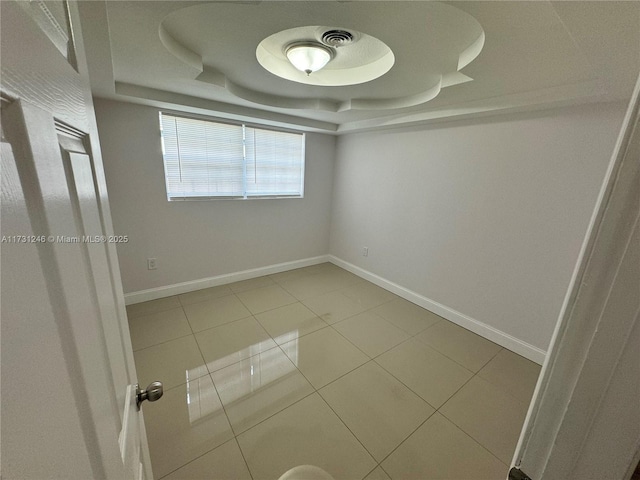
(503, 339)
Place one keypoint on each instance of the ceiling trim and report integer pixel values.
(565, 95)
(152, 96)
(606, 65)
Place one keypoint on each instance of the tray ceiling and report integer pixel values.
(450, 59)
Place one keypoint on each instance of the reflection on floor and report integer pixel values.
(317, 366)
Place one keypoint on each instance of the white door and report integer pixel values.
(68, 376)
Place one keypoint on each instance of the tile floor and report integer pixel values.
(317, 366)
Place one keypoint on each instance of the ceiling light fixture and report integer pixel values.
(308, 57)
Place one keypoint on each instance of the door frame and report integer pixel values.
(563, 433)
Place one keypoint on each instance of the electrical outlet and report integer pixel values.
(365, 251)
(152, 263)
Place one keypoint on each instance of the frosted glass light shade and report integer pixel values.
(308, 58)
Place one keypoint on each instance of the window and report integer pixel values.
(205, 159)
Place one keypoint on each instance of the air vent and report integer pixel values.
(337, 38)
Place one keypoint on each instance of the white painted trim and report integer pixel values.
(501, 338)
(573, 385)
(490, 333)
(192, 285)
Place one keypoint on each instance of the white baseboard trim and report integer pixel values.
(503, 339)
(192, 285)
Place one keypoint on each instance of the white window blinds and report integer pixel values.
(206, 159)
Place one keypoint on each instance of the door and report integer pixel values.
(584, 420)
(68, 376)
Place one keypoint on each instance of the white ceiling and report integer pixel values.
(201, 57)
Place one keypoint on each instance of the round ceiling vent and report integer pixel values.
(337, 38)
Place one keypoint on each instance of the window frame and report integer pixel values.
(240, 123)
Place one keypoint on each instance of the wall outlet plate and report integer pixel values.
(152, 263)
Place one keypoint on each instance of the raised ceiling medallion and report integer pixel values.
(408, 69)
(357, 57)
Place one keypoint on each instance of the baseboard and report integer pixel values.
(190, 286)
(490, 333)
(501, 338)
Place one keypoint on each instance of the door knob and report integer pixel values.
(152, 393)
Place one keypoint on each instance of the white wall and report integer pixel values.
(485, 217)
(200, 239)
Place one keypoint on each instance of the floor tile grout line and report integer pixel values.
(339, 333)
(161, 343)
(235, 439)
(381, 353)
(223, 324)
(133, 317)
(445, 355)
(452, 423)
(299, 335)
(301, 300)
(184, 312)
(371, 471)
(270, 309)
(350, 342)
(317, 390)
(460, 426)
(451, 358)
(437, 410)
(234, 436)
(243, 304)
(489, 361)
(399, 380)
(276, 413)
(473, 439)
(394, 376)
(288, 305)
(386, 473)
(276, 344)
(526, 403)
(233, 433)
(206, 299)
(314, 390)
(406, 438)
(469, 434)
(214, 300)
(351, 371)
(195, 458)
(332, 324)
(293, 277)
(402, 383)
(216, 389)
(248, 280)
(181, 305)
(345, 374)
(349, 429)
(257, 353)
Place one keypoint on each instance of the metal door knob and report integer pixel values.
(152, 393)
